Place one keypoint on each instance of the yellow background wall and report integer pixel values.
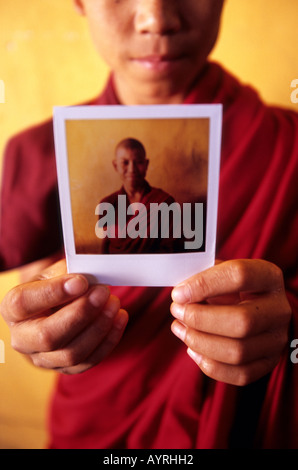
(46, 59)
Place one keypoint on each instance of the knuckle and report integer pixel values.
(288, 312)
(190, 316)
(237, 353)
(44, 339)
(12, 307)
(243, 323)
(191, 338)
(35, 358)
(70, 357)
(41, 360)
(238, 272)
(15, 343)
(243, 377)
(199, 285)
(277, 274)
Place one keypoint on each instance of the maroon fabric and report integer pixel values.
(149, 393)
(30, 227)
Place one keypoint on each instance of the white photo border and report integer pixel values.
(139, 269)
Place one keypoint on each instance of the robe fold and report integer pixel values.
(148, 393)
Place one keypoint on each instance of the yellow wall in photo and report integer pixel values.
(46, 59)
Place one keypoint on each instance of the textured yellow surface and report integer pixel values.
(46, 59)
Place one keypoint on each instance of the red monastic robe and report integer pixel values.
(148, 393)
(149, 230)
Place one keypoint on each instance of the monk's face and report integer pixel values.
(131, 165)
(155, 47)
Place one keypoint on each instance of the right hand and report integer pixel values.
(61, 322)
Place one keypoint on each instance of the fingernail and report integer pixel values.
(75, 285)
(177, 311)
(180, 294)
(194, 356)
(179, 330)
(98, 296)
(111, 308)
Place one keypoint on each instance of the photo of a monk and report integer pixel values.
(128, 218)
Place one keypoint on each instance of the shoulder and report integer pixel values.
(159, 195)
(252, 126)
(39, 136)
(37, 141)
(241, 99)
(113, 197)
(29, 156)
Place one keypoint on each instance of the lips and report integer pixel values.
(158, 63)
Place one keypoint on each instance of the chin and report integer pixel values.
(163, 87)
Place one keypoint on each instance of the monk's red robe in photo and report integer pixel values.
(148, 393)
(118, 239)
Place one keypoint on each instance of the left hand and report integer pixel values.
(234, 318)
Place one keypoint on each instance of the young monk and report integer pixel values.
(219, 375)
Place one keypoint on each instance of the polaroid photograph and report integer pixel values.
(138, 188)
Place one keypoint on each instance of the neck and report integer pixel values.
(134, 194)
(146, 95)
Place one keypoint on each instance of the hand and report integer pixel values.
(62, 323)
(234, 318)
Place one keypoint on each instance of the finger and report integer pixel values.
(31, 271)
(247, 318)
(56, 269)
(230, 350)
(27, 300)
(56, 330)
(234, 375)
(230, 277)
(103, 349)
(84, 343)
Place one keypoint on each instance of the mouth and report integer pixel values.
(158, 63)
(133, 177)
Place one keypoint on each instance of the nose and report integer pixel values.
(157, 17)
(132, 167)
